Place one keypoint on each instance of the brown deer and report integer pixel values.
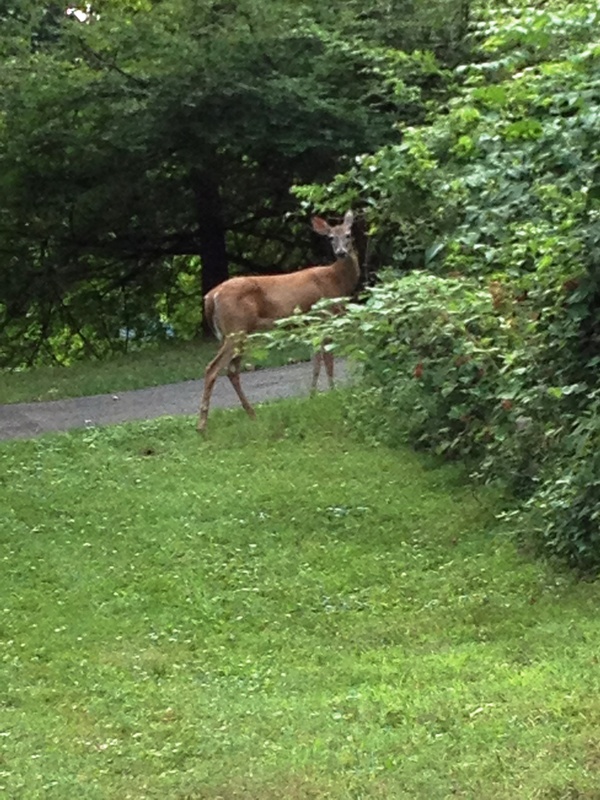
(244, 305)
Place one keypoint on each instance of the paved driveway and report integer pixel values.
(26, 420)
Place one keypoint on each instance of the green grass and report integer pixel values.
(279, 612)
(167, 363)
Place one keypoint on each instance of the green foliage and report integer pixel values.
(135, 141)
(443, 366)
(279, 612)
(565, 511)
(439, 26)
(502, 191)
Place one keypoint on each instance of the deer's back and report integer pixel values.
(253, 303)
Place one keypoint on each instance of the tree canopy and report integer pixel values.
(149, 150)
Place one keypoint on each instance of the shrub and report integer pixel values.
(492, 354)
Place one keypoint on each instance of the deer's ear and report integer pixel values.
(348, 219)
(320, 226)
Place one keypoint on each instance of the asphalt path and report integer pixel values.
(28, 420)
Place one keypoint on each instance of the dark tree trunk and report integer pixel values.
(211, 232)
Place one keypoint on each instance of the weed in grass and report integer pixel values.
(279, 611)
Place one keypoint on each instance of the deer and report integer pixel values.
(244, 305)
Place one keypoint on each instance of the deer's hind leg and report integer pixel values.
(225, 354)
(233, 373)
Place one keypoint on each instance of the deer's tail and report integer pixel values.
(210, 313)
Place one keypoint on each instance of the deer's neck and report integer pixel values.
(347, 272)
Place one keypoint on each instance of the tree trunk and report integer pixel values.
(211, 232)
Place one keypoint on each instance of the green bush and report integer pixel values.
(462, 368)
(492, 354)
(565, 510)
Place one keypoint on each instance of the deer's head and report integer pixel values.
(340, 236)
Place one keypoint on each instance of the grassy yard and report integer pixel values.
(167, 363)
(276, 613)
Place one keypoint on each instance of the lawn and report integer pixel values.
(153, 366)
(279, 612)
